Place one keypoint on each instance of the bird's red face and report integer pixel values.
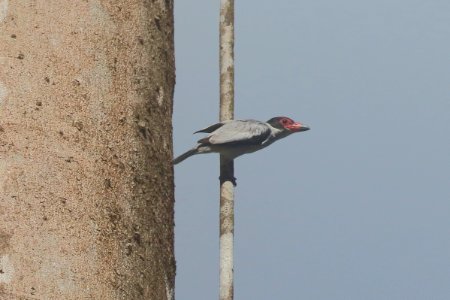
(291, 125)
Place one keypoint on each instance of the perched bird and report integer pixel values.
(237, 137)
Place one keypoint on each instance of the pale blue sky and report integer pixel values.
(359, 206)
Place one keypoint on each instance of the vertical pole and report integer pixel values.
(227, 179)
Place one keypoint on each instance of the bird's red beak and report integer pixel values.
(297, 127)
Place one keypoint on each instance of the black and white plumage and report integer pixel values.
(237, 137)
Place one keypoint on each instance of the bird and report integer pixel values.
(234, 138)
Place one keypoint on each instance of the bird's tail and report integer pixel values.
(185, 155)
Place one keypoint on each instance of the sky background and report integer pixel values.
(359, 206)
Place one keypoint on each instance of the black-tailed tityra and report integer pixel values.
(237, 137)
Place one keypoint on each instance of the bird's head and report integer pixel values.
(286, 124)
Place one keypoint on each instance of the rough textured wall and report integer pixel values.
(86, 178)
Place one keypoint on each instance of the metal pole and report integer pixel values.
(227, 179)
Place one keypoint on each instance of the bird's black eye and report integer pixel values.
(285, 121)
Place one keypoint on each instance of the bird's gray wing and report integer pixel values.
(237, 132)
(211, 128)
